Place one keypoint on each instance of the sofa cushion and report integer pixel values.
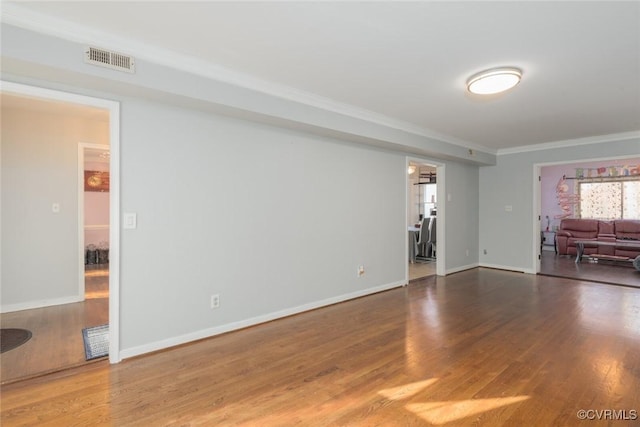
(627, 229)
(606, 227)
(580, 225)
(579, 228)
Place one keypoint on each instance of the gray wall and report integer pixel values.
(40, 257)
(462, 204)
(508, 237)
(269, 219)
(273, 219)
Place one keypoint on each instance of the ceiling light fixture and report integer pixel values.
(494, 80)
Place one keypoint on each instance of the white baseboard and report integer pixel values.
(241, 324)
(461, 268)
(508, 268)
(9, 308)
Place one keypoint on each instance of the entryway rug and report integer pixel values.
(11, 338)
(96, 341)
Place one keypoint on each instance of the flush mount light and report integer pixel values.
(494, 80)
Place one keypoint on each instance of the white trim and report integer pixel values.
(507, 268)
(462, 268)
(114, 233)
(537, 218)
(39, 304)
(81, 227)
(210, 332)
(441, 235)
(80, 216)
(114, 193)
(570, 143)
(407, 196)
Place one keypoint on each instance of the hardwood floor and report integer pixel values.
(57, 332)
(419, 270)
(481, 347)
(57, 343)
(612, 272)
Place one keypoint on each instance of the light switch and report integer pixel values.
(55, 208)
(130, 220)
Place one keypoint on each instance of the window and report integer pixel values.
(610, 198)
(428, 198)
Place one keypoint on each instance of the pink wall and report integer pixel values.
(550, 176)
(96, 211)
(96, 208)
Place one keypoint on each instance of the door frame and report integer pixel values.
(537, 217)
(113, 108)
(440, 224)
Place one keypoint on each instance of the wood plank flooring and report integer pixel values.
(419, 270)
(57, 342)
(57, 332)
(612, 272)
(481, 347)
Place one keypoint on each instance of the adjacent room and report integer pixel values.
(56, 227)
(319, 213)
(598, 204)
(422, 212)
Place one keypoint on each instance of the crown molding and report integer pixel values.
(22, 17)
(571, 143)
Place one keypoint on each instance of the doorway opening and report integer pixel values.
(93, 193)
(559, 206)
(424, 256)
(52, 205)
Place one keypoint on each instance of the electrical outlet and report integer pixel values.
(215, 301)
(467, 252)
(360, 270)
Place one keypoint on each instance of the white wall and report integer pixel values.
(508, 237)
(39, 168)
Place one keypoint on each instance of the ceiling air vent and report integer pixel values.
(108, 59)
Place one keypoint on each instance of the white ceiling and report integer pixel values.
(404, 63)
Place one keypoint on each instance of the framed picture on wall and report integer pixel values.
(96, 181)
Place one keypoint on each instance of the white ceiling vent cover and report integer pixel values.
(108, 59)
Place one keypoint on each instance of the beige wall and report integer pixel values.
(40, 256)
